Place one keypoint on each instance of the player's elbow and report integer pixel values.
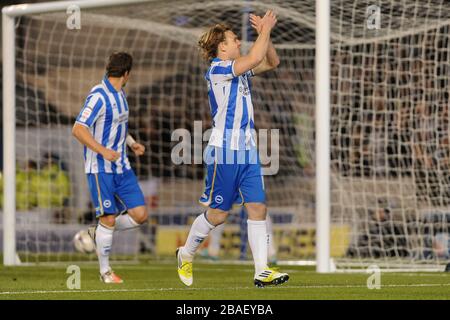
(76, 130)
(275, 63)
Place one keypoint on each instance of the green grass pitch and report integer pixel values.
(213, 281)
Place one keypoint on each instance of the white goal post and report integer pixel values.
(323, 136)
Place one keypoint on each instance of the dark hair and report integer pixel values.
(119, 63)
(209, 41)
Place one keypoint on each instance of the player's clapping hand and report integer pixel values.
(110, 155)
(138, 149)
(256, 22)
(269, 19)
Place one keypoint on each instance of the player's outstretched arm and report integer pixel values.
(271, 60)
(82, 134)
(259, 49)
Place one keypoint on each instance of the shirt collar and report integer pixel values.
(216, 60)
(109, 85)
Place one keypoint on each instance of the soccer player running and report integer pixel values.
(233, 138)
(102, 127)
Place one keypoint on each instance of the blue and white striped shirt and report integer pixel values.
(105, 113)
(231, 106)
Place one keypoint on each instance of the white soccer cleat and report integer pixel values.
(110, 277)
(269, 277)
(184, 269)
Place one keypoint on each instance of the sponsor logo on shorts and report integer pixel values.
(107, 203)
(218, 199)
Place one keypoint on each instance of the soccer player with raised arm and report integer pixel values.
(102, 127)
(233, 167)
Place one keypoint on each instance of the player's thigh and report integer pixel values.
(102, 188)
(251, 187)
(130, 193)
(251, 190)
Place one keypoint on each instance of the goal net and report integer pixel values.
(389, 119)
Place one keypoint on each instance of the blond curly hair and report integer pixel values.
(209, 41)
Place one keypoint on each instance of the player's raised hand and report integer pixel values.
(256, 22)
(110, 155)
(138, 149)
(269, 19)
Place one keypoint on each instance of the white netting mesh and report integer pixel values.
(389, 119)
(390, 144)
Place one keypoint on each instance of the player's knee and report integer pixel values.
(256, 211)
(139, 215)
(216, 216)
(143, 217)
(108, 220)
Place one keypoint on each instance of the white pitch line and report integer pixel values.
(221, 289)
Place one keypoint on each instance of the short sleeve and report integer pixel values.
(93, 108)
(222, 71)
